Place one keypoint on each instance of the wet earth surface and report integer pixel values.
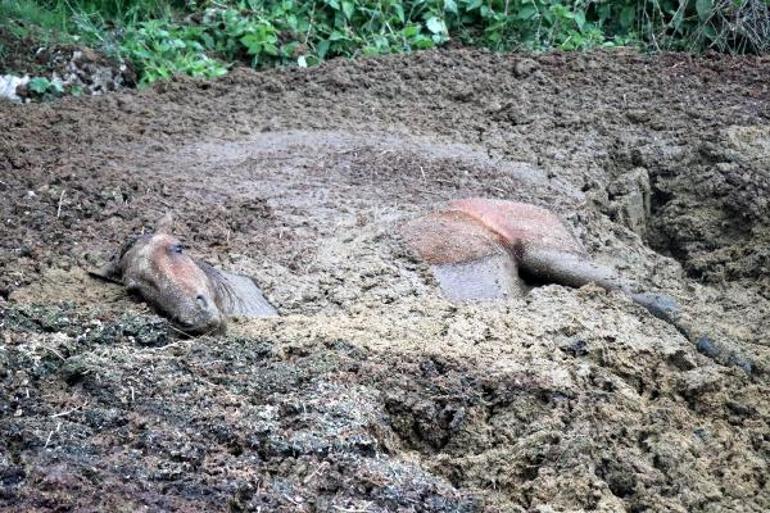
(370, 392)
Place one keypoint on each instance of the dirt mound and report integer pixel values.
(371, 392)
(594, 414)
(68, 68)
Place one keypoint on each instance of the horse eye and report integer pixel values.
(177, 248)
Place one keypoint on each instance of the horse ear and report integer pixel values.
(165, 224)
(109, 271)
(112, 270)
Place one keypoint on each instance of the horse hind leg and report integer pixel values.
(487, 278)
(466, 259)
(575, 270)
(568, 268)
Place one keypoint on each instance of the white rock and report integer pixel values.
(8, 85)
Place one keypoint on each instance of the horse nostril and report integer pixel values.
(201, 299)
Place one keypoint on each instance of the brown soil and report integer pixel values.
(17, 54)
(370, 392)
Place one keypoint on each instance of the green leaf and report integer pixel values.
(423, 43)
(400, 12)
(252, 43)
(288, 49)
(580, 19)
(704, 8)
(435, 25)
(39, 85)
(710, 32)
(411, 31)
(312, 60)
(271, 49)
(323, 48)
(450, 6)
(57, 87)
(348, 8)
(526, 12)
(604, 11)
(438, 38)
(676, 21)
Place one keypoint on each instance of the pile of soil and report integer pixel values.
(19, 54)
(73, 69)
(370, 392)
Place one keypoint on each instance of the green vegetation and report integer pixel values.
(203, 38)
(42, 86)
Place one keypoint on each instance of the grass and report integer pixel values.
(161, 38)
(28, 18)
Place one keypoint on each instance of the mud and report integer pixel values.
(371, 392)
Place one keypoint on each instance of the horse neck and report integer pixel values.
(236, 294)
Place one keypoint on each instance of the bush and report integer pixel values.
(159, 49)
(737, 26)
(268, 33)
(202, 38)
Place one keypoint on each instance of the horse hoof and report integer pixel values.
(706, 346)
(709, 348)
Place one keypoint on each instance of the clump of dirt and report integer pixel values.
(297, 429)
(370, 392)
(289, 417)
(704, 204)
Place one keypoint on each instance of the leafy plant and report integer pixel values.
(201, 38)
(43, 87)
(160, 49)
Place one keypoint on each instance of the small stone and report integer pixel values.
(699, 381)
(682, 360)
(707, 347)
(576, 347)
(525, 68)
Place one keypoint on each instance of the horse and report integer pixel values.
(196, 296)
(477, 248)
(488, 249)
(481, 249)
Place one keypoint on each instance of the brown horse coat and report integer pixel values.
(195, 295)
(480, 248)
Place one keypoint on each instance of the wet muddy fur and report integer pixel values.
(478, 248)
(195, 295)
(482, 249)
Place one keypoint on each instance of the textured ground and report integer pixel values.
(370, 392)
